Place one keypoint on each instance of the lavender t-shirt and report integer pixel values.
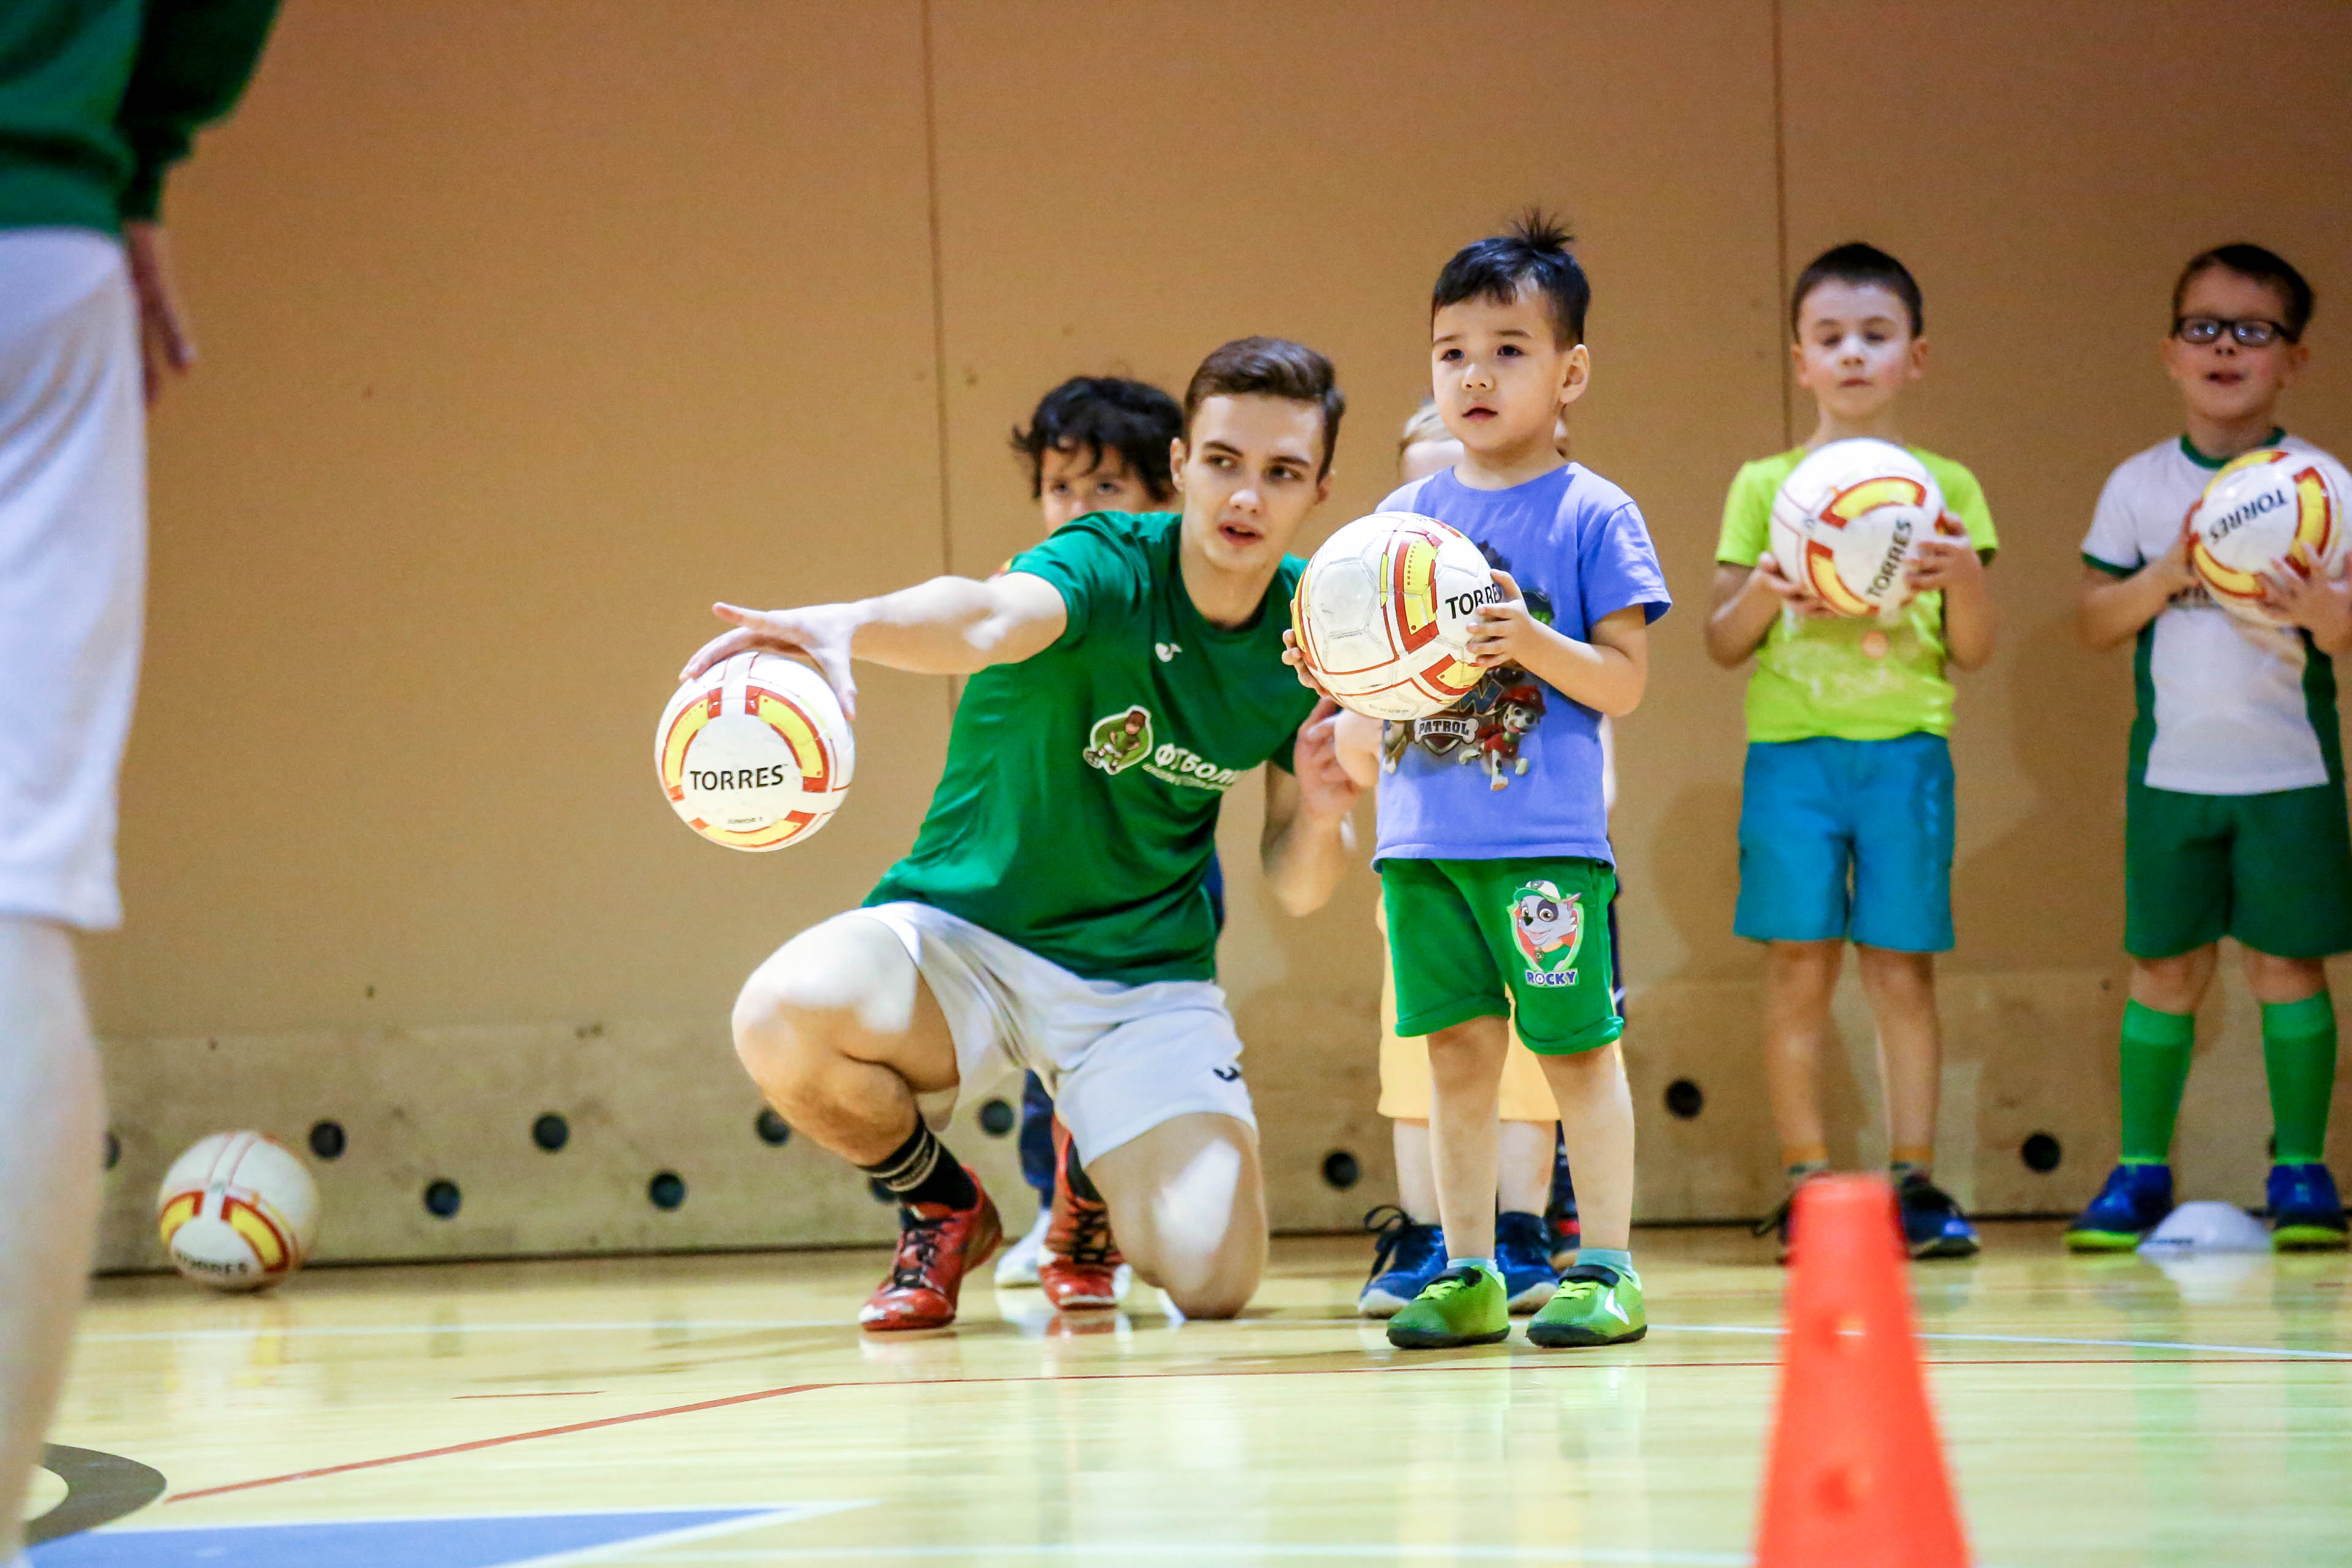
(1514, 768)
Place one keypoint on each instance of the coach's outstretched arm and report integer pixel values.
(1307, 840)
(949, 625)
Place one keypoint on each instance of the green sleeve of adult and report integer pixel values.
(194, 59)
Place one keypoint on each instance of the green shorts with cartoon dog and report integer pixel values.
(1526, 938)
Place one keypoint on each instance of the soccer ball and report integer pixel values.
(1382, 615)
(1849, 521)
(755, 754)
(238, 1211)
(2269, 511)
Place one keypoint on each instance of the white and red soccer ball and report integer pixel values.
(1849, 521)
(1381, 617)
(238, 1211)
(755, 753)
(2270, 510)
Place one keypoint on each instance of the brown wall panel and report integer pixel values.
(2045, 171)
(531, 329)
(1114, 202)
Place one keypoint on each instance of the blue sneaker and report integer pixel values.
(1407, 1258)
(1933, 1224)
(2305, 1214)
(1523, 1258)
(2133, 1202)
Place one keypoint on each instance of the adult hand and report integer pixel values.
(820, 633)
(1324, 790)
(167, 348)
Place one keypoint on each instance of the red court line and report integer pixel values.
(498, 1442)
(1489, 1365)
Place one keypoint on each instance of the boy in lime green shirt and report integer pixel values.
(1846, 828)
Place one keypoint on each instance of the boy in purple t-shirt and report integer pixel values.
(1494, 841)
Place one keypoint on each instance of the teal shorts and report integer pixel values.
(1847, 840)
(1525, 939)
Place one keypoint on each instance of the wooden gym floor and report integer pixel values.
(724, 1410)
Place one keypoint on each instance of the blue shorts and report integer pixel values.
(1847, 839)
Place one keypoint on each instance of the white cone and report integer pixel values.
(2206, 1227)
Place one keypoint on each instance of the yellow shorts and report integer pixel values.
(1404, 1066)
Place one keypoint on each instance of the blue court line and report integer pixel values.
(471, 1540)
(2040, 1340)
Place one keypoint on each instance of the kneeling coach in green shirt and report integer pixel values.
(1125, 674)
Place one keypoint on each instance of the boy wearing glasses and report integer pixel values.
(2234, 820)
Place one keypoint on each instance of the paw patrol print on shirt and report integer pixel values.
(1487, 726)
(1549, 927)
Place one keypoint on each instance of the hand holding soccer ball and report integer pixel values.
(2269, 538)
(1943, 565)
(2302, 592)
(1504, 632)
(1380, 621)
(1791, 591)
(820, 633)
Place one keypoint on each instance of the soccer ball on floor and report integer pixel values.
(238, 1211)
(1850, 520)
(1382, 615)
(2269, 511)
(755, 754)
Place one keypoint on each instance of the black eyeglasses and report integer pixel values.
(2252, 333)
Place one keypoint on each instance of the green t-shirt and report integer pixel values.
(100, 97)
(1078, 808)
(1854, 679)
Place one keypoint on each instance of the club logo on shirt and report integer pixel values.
(1166, 651)
(1119, 741)
(1549, 927)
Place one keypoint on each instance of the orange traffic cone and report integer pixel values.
(1857, 1476)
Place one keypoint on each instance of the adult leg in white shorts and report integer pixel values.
(72, 552)
(858, 1023)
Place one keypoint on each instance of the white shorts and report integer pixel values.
(73, 566)
(1118, 1059)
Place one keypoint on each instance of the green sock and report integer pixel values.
(2156, 1052)
(2299, 1054)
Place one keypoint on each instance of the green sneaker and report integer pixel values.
(1595, 1305)
(1464, 1306)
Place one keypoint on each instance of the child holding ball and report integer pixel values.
(1411, 1246)
(1496, 888)
(1095, 442)
(2234, 815)
(1845, 818)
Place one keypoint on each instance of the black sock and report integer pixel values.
(921, 1171)
(1081, 1185)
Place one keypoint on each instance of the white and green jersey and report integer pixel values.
(2226, 707)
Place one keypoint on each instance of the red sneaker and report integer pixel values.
(938, 1246)
(1079, 1266)
(1567, 1235)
